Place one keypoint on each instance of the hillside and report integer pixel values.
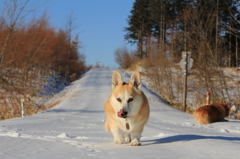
(74, 129)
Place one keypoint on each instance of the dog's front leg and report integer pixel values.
(136, 139)
(127, 137)
(118, 135)
(136, 135)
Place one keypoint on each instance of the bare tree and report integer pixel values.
(125, 58)
(203, 47)
(70, 26)
(13, 14)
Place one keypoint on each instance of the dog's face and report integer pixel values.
(127, 99)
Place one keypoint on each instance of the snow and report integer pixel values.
(73, 129)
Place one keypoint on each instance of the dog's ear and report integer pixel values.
(221, 102)
(116, 79)
(136, 80)
(229, 105)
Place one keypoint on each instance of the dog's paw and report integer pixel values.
(135, 142)
(119, 141)
(127, 139)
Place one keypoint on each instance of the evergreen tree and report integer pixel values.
(139, 25)
(168, 21)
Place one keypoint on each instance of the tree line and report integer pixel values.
(163, 29)
(30, 51)
(213, 22)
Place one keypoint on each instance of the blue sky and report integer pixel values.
(100, 25)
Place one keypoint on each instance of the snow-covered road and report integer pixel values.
(74, 129)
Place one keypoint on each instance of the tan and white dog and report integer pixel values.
(126, 109)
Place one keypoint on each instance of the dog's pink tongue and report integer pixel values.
(120, 113)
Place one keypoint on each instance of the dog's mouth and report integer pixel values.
(122, 114)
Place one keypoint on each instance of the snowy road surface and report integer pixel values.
(74, 129)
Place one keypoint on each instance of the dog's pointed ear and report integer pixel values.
(229, 105)
(135, 80)
(116, 79)
(221, 102)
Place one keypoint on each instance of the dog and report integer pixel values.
(211, 113)
(127, 109)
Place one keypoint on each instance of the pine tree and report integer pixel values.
(139, 25)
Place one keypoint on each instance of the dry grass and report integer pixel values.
(197, 88)
(11, 106)
(180, 107)
(138, 63)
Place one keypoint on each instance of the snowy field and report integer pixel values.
(74, 129)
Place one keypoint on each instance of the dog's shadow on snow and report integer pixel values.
(184, 138)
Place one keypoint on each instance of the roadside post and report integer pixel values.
(208, 98)
(22, 105)
(186, 64)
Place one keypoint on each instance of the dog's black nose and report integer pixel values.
(124, 114)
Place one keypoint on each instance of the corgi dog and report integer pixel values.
(211, 113)
(126, 109)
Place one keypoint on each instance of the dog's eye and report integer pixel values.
(118, 99)
(130, 99)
